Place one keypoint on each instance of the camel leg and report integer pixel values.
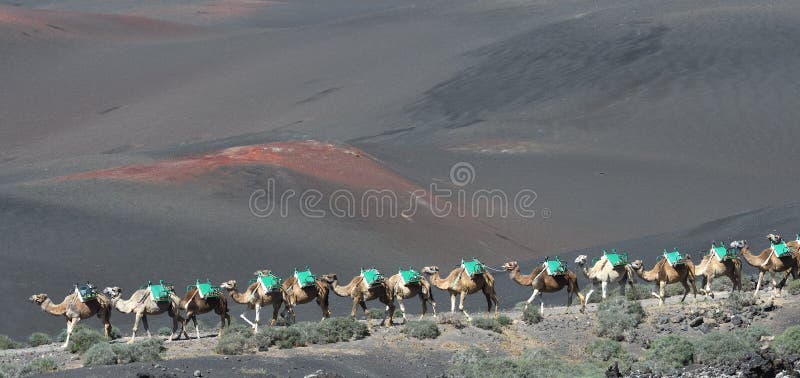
(222, 318)
(253, 325)
(107, 324)
(403, 308)
(276, 307)
(452, 303)
(355, 308)
(135, 327)
(174, 325)
(685, 290)
(70, 326)
(433, 304)
(591, 290)
(196, 327)
(146, 326)
(758, 284)
(530, 300)
(782, 283)
(258, 317)
(389, 315)
(461, 305)
(604, 286)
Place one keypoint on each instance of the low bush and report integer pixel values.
(476, 363)
(147, 350)
(787, 342)
(7, 343)
(234, 344)
(738, 300)
(39, 338)
(604, 349)
(793, 287)
(667, 354)
(616, 316)
(454, 321)
(421, 329)
(489, 324)
(725, 346)
(531, 315)
(40, 366)
(504, 320)
(99, 354)
(164, 331)
(115, 333)
(334, 330)
(283, 338)
(84, 338)
(638, 292)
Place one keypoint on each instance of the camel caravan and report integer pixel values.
(470, 277)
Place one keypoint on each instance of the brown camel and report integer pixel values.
(401, 291)
(255, 297)
(711, 267)
(361, 292)
(542, 282)
(458, 282)
(295, 295)
(72, 309)
(603, 272)
(142, 304)
(663, 273)
(767, 261)
(195, 305)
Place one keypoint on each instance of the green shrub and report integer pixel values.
(638, 292)
(99, 354)
(737, 300)
(234, 344)
(422, 329)
(504, 320)
(531, 315)
(164, 331)
(476, 363)
(115, 333)
(725, 346)
(668, 353)
(788, 342)
(489, 324)
(62, 336)
(375, 314)
(334, 330)
(283, 338)
(7, 343)
(83, 339)
(39, 338)
(40, 366)
(8, 370)
(617, 315)
(604, 349)
(793, 287)
(675, 289)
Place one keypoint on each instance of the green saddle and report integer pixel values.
(675, 258)
(305, 278)
(616, 258)
(410, 276)
(268, 282)
(372, 276)
(722, 253)
(474, 267)
(160, 292)
(555, 266)
(205, 289)
(780, 249)
(86, 292)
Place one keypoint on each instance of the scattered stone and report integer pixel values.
(696, 321)
(197, 373)
(678, 318)
(737, 320)
(323, 374)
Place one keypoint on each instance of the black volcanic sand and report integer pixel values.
(661, 124)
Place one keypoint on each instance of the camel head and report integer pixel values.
(433, 269)
(38, 298)
(637, 265)
(112, 292)
(229, 285)
(329, 278)
(739, 244)
(262, 272)
(511, 265)
(581, 260)
(774, 238)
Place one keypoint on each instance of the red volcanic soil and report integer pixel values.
(325, 161)
(53, 24)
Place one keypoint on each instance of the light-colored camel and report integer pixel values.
(768, 262)
(710, 267)
(295, 295)
(663, 273)
(72, 309)
(603, 272)
(195, 305)
(255, 297)
(542, 282)
(458, 282)
(141, 303)
(361, 292)
(421, 289)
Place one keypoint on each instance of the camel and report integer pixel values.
(294, 295)
(361, 292)
(195, 305)
(458, 282)
(603, 272)
(663, 273)
(255, 297)
(410, 290)
(74, 311)
(767, 261)
(542, 282)
(711, 267)
(142, 304)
